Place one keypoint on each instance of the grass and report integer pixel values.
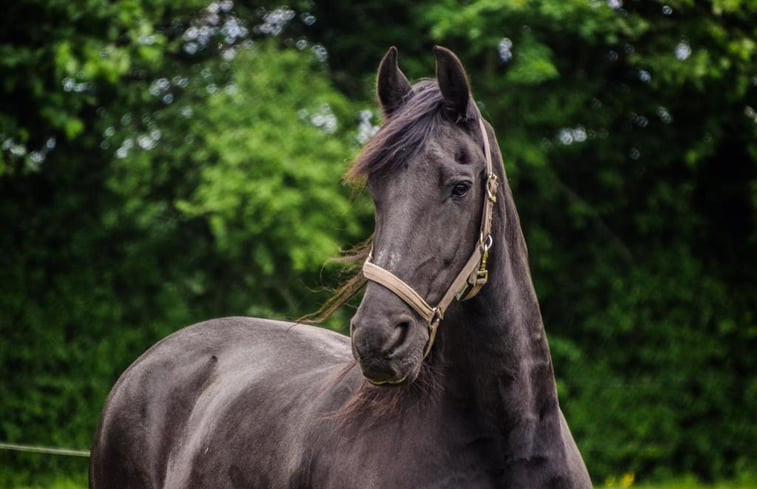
(686, 483)
(693, 485)
(48, 483)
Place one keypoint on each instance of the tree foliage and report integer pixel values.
(165, 162)
(203, 186)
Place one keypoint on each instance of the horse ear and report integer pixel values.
(391, 83)
(453, 82)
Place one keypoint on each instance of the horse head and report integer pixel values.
(428, 171)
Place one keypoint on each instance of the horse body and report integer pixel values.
(250, 403)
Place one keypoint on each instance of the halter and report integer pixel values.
(471, 278)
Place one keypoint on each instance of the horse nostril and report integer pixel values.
(397, 338)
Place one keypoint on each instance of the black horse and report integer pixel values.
(252, 403)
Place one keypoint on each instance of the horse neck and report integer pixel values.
(494, 347)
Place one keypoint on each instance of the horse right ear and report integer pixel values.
(453, 83)
(391, 84)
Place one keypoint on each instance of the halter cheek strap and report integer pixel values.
(471, 277)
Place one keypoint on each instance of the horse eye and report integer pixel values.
(460, 189)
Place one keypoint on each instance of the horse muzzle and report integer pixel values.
(387, 345)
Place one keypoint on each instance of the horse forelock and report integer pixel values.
(403, 134)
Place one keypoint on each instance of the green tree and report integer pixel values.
(203, 183)
(60, 61)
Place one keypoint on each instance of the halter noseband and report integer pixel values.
(471, 278)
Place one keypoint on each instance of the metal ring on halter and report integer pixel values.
(433, 326)
(486, 243)
(436, 317)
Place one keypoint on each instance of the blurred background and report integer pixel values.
(164, 162)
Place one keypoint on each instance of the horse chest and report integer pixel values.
(400, 455)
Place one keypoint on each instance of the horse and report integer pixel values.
(460, 394)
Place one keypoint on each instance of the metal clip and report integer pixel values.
(482, 276)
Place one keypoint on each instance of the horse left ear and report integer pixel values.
(453, 82)
(391, 84)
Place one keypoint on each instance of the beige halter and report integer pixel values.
(471, 278)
